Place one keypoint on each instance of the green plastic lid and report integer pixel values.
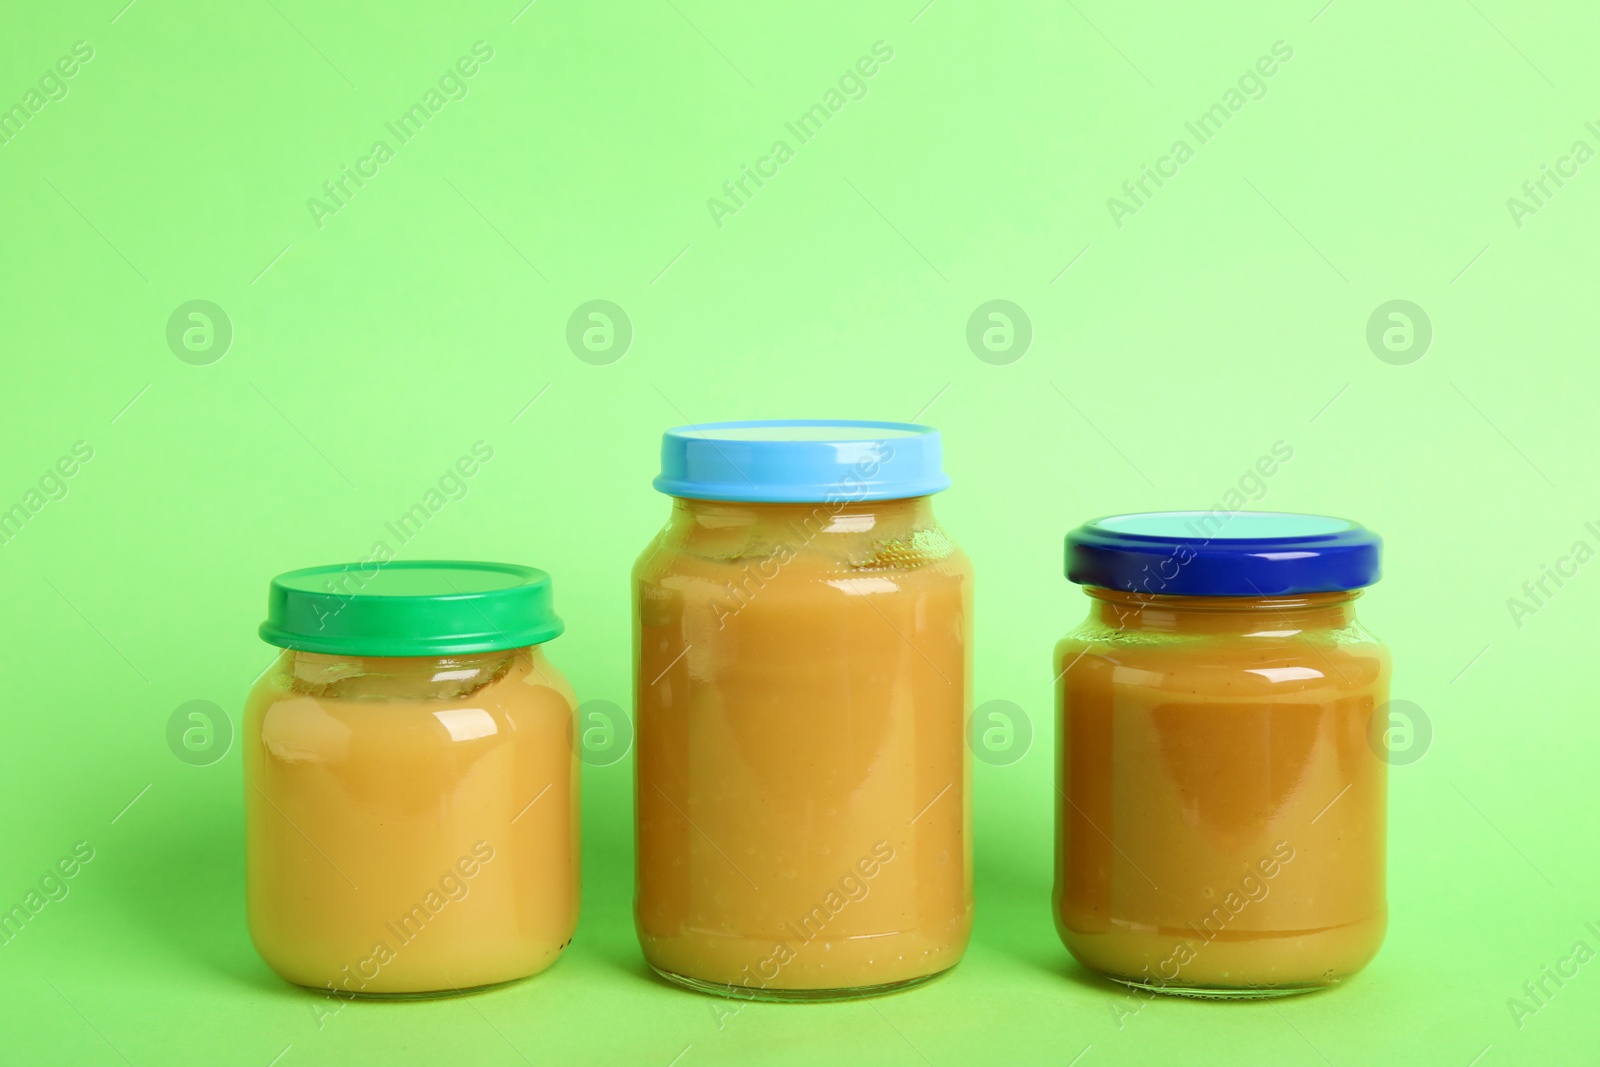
(410, 608)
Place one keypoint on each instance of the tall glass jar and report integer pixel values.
(411, 783)
(803, 673)
(1221, 798)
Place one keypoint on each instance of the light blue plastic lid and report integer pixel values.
(801, 461)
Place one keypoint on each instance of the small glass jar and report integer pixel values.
(1221, 800)
(803, 673)
(410, 780)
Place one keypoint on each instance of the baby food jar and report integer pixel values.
(1220, 816)
(803, 672)
(410, 780)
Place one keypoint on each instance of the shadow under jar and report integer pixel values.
(803, 673)
(411, 785)
(1221, 797)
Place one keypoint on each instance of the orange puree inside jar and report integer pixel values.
(802, 795)
(411, 825)
(1223, 814)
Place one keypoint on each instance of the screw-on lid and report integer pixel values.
(410, 608)
(801, 461)
(1208, 553)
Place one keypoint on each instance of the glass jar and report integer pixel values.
(1220, 801)
(410, 780)
(803, 673)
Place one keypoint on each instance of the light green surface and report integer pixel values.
(1228, 312)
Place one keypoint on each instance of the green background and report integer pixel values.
(1168, 353)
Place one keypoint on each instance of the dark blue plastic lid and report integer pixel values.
(1209, 553)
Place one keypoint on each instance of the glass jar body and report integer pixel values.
(411, 822)
(802, 681)
(1220, 806)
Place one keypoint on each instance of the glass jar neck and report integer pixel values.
(800, 522)
(1221, 614)
(397, 677)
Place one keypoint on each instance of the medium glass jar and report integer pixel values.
(1220, 801)
(803, 673)
(410, 780)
